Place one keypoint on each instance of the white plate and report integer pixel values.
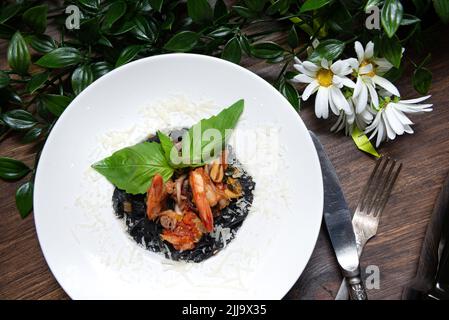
(86, 247)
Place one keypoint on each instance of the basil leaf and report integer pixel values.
(24, 199)
(133, 168)
(60, 58)
(81, 78)
(54, 103)
(100, 68)
(156, 4)
(42, 43)
(292, 38)
(392, 50)
(290, 92)
(182, 42)
(37, 81)
(391, 16)
(266, 50)
(11, 169)
(328, 49)
(19, 58)
(19, 119)
(32, 135)
(9, 11)
(422, 79)
(232, 51)
(4, 79)
(36, 18)
(127, 55)
(199, 147)
(167, 146)
(199, 10)
(442, 9)
(115, 11)
(310, 5)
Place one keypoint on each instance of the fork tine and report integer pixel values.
(365, 193)
(387, 191)
(373, 185)
(380, 185)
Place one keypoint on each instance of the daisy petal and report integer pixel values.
(391, 134)
(359, 51)
(373, 95)
(369, 50)
(387, 85)
(366, 69)
(417, 100)
(311, 66)
(303, 78)
(339, 100)
(321, 103)
(362, 100)
(310, 89)
(395, 124)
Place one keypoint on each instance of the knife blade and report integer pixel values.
(337, 218)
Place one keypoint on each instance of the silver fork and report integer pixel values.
(371, 203)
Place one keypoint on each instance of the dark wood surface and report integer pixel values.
(24, 273)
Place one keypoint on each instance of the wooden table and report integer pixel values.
(24, 273)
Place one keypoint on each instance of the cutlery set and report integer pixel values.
(348, 238)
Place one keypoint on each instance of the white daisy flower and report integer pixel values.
(369, 72)
(327, 79)
(391, 119)
(347, 121)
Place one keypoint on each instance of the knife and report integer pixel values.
(337, 218)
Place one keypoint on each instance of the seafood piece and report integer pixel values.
(187, 232)
(156, 196)
(198, 185)
(169, 219)
(234, 189)
(217, 168)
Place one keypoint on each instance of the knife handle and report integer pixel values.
(356, 288)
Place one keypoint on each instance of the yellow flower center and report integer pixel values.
(372, 73)
(324, 77)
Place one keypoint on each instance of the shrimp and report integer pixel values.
(156, 195)
(187, 232)
(199, 189)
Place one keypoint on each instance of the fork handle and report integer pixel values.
(356, 288)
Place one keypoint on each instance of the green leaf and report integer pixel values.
(328, 49)
(9, 11)
(255, 5)
(36, 18)
(168, 22)
(115, 11)
(145, 29)
(292, 38)
(37, 81)
(182, 42)
(310, 5)
(392, 50)
(60, 58)
(408, 19)
(442, 9)
(199, 146)
(90, 4)
(42, 43)
(266, 50)
(24, 199)
(100, 68)
(128, 54)
(199, 10)
(4, 79)
(81, 78)
(11, 169)
(55, 103)
(133, 168)
(422, 79)
(221, 32)
(220, 9)
(391, 16)
(362, 142)
(19, 58)
(32, 135)
(232, 51)
(244, 11)
(19, 119)
(167, 146)
(290, 92)
(156, 4)
(372, 3)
